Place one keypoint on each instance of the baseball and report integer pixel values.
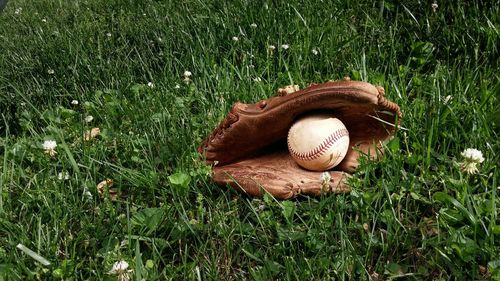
(318, 142)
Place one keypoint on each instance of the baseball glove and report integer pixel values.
(248, 149)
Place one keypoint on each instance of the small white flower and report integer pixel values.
(124, 243)
(235, 39)
(87, 194)
(447, 99)
(18, 11)
(434, 7)
(50, 71)
(285, 46)
(49, 144)
(74, 102)
(472, 157)
(253, 25)
(120, 270)
(257, 79)
(144, 14)
(187, 74)
(89, 118)
(44, 20)
(119, 266)
(315, 51)
(325, 178)
(177, 86)
(271, 47)
(50, 147)
(108, 34)
(151, 85)
(63, 176)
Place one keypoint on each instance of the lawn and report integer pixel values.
(153, 78)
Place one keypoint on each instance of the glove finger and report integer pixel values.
(279, 175)
(350, 163)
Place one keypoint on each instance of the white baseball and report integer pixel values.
(318, 142)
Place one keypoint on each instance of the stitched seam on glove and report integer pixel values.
(320, 149)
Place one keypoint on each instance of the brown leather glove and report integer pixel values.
(248, 149)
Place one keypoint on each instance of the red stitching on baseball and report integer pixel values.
(320, 149)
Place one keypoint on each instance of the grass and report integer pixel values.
(414, 215)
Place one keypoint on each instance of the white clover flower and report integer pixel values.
(18, 11)
(434, 7)
(50, 71)
(447, 99)
(108, 34)
(87, 194)
(315, 51)
(119, 266)
(325, 178)
(187, 74)
(124, 243)
(89, 118)
(120, 270)
(151, 85)
(44, 20)
(271, 47)
(177, 86)
(49, 147)
(472, 157)
(74, 102)
(63, 176)
(285, 46)
(235, 39)
(49, 144)
(253, 25)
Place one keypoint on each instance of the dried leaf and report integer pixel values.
(106, 185)
(288, 90)
(92, 134)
